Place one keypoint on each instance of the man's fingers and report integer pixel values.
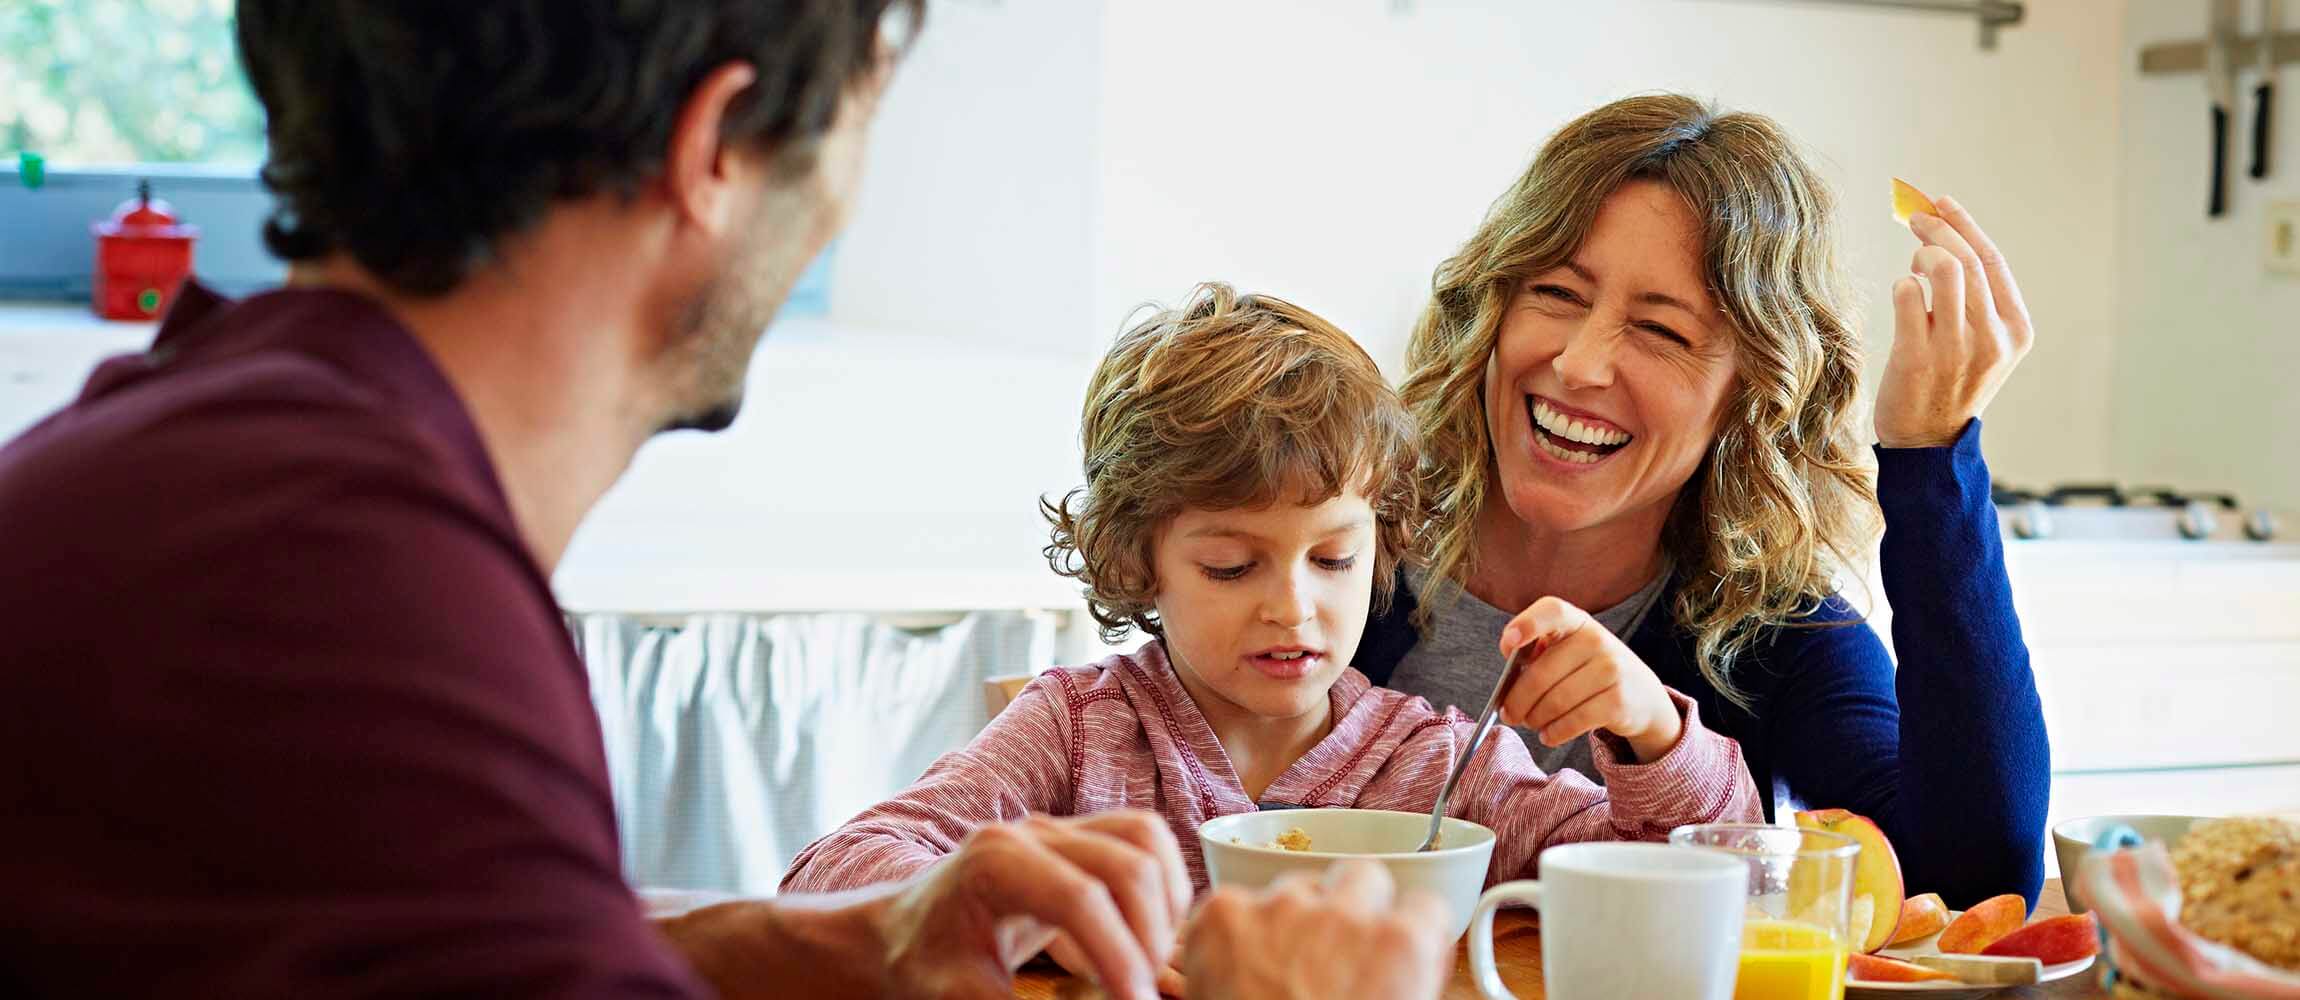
(1148, 832)
(1422, 907)
(1214, 928)
(1296, 884)
(1359, 884)
(1134, 880)
(1171, 983)
(1018, 874)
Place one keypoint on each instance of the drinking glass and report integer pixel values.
(1796, 932)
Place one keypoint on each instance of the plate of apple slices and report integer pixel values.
(1946, 954)
(1916, 944)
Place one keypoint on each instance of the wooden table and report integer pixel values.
(1517, 950)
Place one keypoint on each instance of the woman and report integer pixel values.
(1637, 384)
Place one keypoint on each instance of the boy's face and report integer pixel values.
(1263, 608)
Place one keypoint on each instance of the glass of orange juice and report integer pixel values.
(1793, 942)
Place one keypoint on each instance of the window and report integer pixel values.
(98, 94)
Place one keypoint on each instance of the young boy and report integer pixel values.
(1247, 476)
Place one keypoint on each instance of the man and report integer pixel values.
(289, 708)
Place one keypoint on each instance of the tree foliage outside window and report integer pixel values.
(86, 82)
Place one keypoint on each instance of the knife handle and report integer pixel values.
(2219, 205)
(2262, 97)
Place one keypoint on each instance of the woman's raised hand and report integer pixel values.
(1948, 362)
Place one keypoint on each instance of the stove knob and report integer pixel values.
(2260, 526)
(2032, 520)
(2197, 521)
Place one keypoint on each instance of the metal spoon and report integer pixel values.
(1477, 736)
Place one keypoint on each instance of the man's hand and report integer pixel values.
(1351, 936)
(1112, 883)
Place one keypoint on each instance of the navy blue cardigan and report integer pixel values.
(1950, 756)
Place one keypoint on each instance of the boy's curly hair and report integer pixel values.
(1231, 401)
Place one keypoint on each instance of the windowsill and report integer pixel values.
(68, 318)
(46, 352)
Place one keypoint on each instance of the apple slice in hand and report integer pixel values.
(1908, 201)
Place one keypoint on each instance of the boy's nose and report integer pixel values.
(1288, 604)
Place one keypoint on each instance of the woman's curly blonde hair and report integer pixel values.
(1231, 401)
(1784, 497)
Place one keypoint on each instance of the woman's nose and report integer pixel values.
(1587, 361)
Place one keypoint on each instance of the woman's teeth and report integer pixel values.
(1563, 453)
(1573, 429)
(1295, 655)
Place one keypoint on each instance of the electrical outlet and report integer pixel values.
(2281, 254)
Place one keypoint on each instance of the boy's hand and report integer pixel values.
(1581, 678)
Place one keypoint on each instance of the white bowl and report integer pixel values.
(2072, 839)
(1238, 852)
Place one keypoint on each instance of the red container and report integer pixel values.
(143, 256)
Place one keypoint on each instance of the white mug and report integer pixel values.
(1625, 922)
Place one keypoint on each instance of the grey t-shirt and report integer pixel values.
(1455, 663)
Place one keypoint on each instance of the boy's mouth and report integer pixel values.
(1286, 662)
(1573, 438)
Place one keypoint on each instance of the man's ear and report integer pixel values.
(700, 170)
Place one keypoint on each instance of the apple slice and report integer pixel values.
(2052, 940)
(1921, 916)
(1876, 871)
(1981, 971)
(1908, 201)
(1985, 924)
(1879, 969)
(1860, 918)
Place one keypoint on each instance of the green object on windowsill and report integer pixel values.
(32, 168)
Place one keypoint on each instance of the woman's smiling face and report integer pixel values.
(1607, 378)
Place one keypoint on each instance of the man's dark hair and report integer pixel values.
(415, 134)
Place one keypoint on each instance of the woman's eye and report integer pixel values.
(1338, 565)
(1557, 292)
(1226, 572)
(1663, 331)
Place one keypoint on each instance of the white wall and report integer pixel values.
(1043, 165)
(975, 219)
(2210, 348)
(1334, 152)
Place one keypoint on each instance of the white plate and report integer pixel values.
(1861, 989)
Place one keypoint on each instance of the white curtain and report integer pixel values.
(733, 741)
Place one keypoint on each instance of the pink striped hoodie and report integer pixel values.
(1123, 733)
